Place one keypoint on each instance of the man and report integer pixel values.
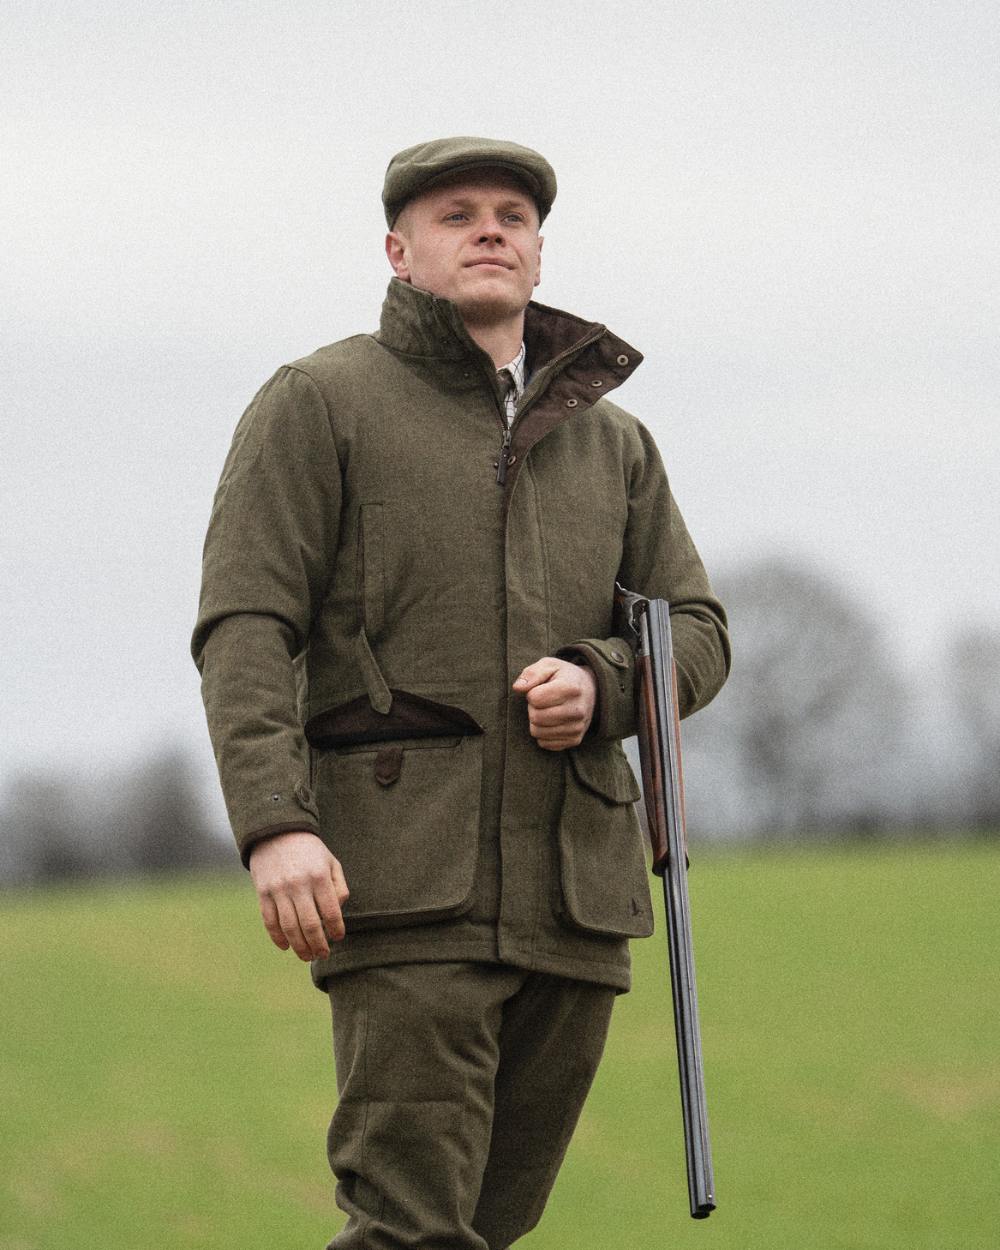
(417, 701)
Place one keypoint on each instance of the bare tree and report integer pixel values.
(44, 834)
(162, 823)
(147, 818)
(808, 733)
(972, 675)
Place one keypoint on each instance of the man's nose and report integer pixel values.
(492, 231)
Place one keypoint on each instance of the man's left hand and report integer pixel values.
(561, 700)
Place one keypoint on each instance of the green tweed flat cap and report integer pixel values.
(414, 169)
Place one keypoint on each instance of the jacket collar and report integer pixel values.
(416, 323)
(572, 362)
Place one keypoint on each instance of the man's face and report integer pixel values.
(473, 240)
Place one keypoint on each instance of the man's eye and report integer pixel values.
(456, 217)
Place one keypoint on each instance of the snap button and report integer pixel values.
(617, 657)
(597, 382)
(623, 360)
(572, 403)
(275, 798)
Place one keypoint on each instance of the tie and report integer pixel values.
(510, 392)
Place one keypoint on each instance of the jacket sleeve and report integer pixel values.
(659, 561)
(271, 536)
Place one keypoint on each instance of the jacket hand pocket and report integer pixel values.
(401, 812)
(605, 883)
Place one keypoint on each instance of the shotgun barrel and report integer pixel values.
(646, 623)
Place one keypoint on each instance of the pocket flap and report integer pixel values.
(605, 885)
(604, 769)
(410, 716)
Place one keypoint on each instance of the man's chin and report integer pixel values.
(489, 308)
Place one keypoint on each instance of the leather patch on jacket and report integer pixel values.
(411, 716)
(388, 765)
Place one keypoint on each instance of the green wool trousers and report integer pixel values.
(460, 1085)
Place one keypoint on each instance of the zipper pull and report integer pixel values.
(504, 453)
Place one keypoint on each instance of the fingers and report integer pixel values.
(561, 725)
(306, 918)
(549, 684)
(557, 690)
(560, 699)
(537, 673)
(564, 713)
(300, 889)
(296, 928)
(272, 924)
(559, 744)
(565, 733)
(329, 894)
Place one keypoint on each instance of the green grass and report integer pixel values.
(165, 1078)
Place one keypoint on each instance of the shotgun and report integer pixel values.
(645, 623)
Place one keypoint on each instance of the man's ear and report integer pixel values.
(538, 267)
(395, 249)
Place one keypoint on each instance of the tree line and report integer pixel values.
(821, 730)
(136, 820)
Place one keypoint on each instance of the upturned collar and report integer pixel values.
(417, 323)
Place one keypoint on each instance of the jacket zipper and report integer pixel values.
(508, 429)
(504, 454)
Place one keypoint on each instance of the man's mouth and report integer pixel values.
(490, 264)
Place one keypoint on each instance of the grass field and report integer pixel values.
(850, 1010)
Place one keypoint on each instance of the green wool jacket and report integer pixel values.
(371, 590)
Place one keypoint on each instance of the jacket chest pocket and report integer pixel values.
(403, 819)
(605, 882)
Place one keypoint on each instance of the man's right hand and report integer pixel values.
(300, 888)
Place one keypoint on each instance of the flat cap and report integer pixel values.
(414, 169)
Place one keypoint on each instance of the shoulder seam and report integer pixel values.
(322, 398)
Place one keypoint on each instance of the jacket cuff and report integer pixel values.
(613, 665)
(278, 813)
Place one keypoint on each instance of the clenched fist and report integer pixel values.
(561, 699)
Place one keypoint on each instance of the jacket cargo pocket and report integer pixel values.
(605, 883)
(403, 819)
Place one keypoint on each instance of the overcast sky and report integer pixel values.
(790, 208)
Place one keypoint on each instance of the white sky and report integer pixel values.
(790, 208)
